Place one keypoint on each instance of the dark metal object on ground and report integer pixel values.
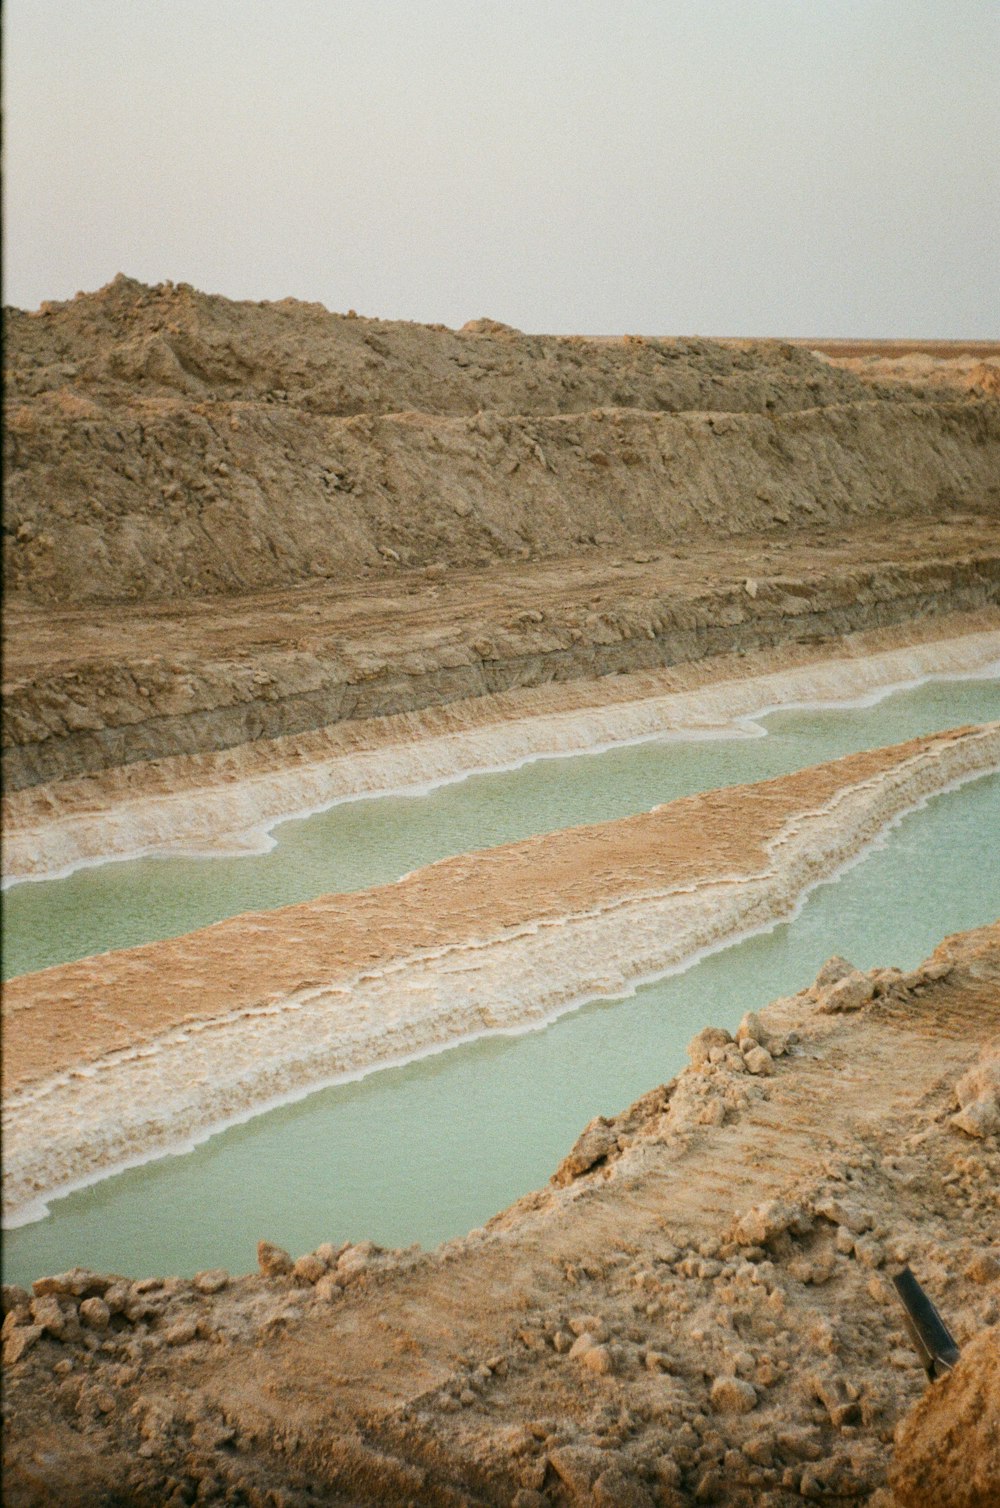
(934, 1342)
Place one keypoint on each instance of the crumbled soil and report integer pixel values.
(697, 1308)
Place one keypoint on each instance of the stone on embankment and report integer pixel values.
(273, 1261)
(731, 1395)
(595, 1142)
(95, 1314)
(78, 1282)
(309, 1268)
(835, 969)
(17, 1343)
(699, 1049)
(978, 1092)
(759, 1061)
(618, 1488)
(765, 1222)
(50, 1315)
(850, 993)
(578, 1467)
(213, 1280)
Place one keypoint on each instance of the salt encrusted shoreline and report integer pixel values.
(226, 803)
(416, 985)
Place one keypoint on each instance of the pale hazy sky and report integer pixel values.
(783, 167)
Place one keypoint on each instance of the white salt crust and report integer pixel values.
(237, 816)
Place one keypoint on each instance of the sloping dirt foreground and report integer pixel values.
(112, 1057)
(696, 1310)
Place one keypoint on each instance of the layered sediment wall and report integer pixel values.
(112, 1058)
(227, 802)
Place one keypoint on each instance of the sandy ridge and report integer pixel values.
(113, 1057)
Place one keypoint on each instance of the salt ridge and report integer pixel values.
(238, 818)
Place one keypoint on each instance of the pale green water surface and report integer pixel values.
(371, 842)
(433, 1149)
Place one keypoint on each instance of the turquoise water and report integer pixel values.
(363, 843)
(431, 1150)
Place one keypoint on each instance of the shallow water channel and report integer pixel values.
(375, 841)
(428, 1151)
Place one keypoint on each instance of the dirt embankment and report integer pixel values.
(931, 368)
(230, 522)
(697, 1309)
(88, 691)
(164, 444)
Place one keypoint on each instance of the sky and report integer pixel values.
(659, 167)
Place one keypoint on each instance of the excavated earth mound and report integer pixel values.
(163, 443)
(233, 522)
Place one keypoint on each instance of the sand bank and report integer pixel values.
(230, 801)
(116, 1057)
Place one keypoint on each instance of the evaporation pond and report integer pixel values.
(372, 842)
(430, 1150)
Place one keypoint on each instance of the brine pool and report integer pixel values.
(433, 1149)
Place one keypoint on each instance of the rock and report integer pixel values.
(309, 1268)
(831, 973)
(657, 1361)
(181, 1332)
(984, 1268)
(95, 1314)
(700, 1047)
(354, 1259)
(617, 1488)
(587, 1324)
(78, 1281)
(848, 994)
(116, 1297)
(47, 1313)
(328, 1253)
(598, 1359)
(980, 1119)
(982, 1080)
(833, 1395)
(582, 1345)
(750, 587)
(15, 1297)
(19, 1342)
(948, 1447)
(595, 1142)
(766, 1221)
(731, 1395)
(869, 1252)
(578, 1466)
(759, 1061)
(273, 1261)
(211, 1281)
(562, 1342)
(844, 1212)
(327, 1288)
(751, 1029)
